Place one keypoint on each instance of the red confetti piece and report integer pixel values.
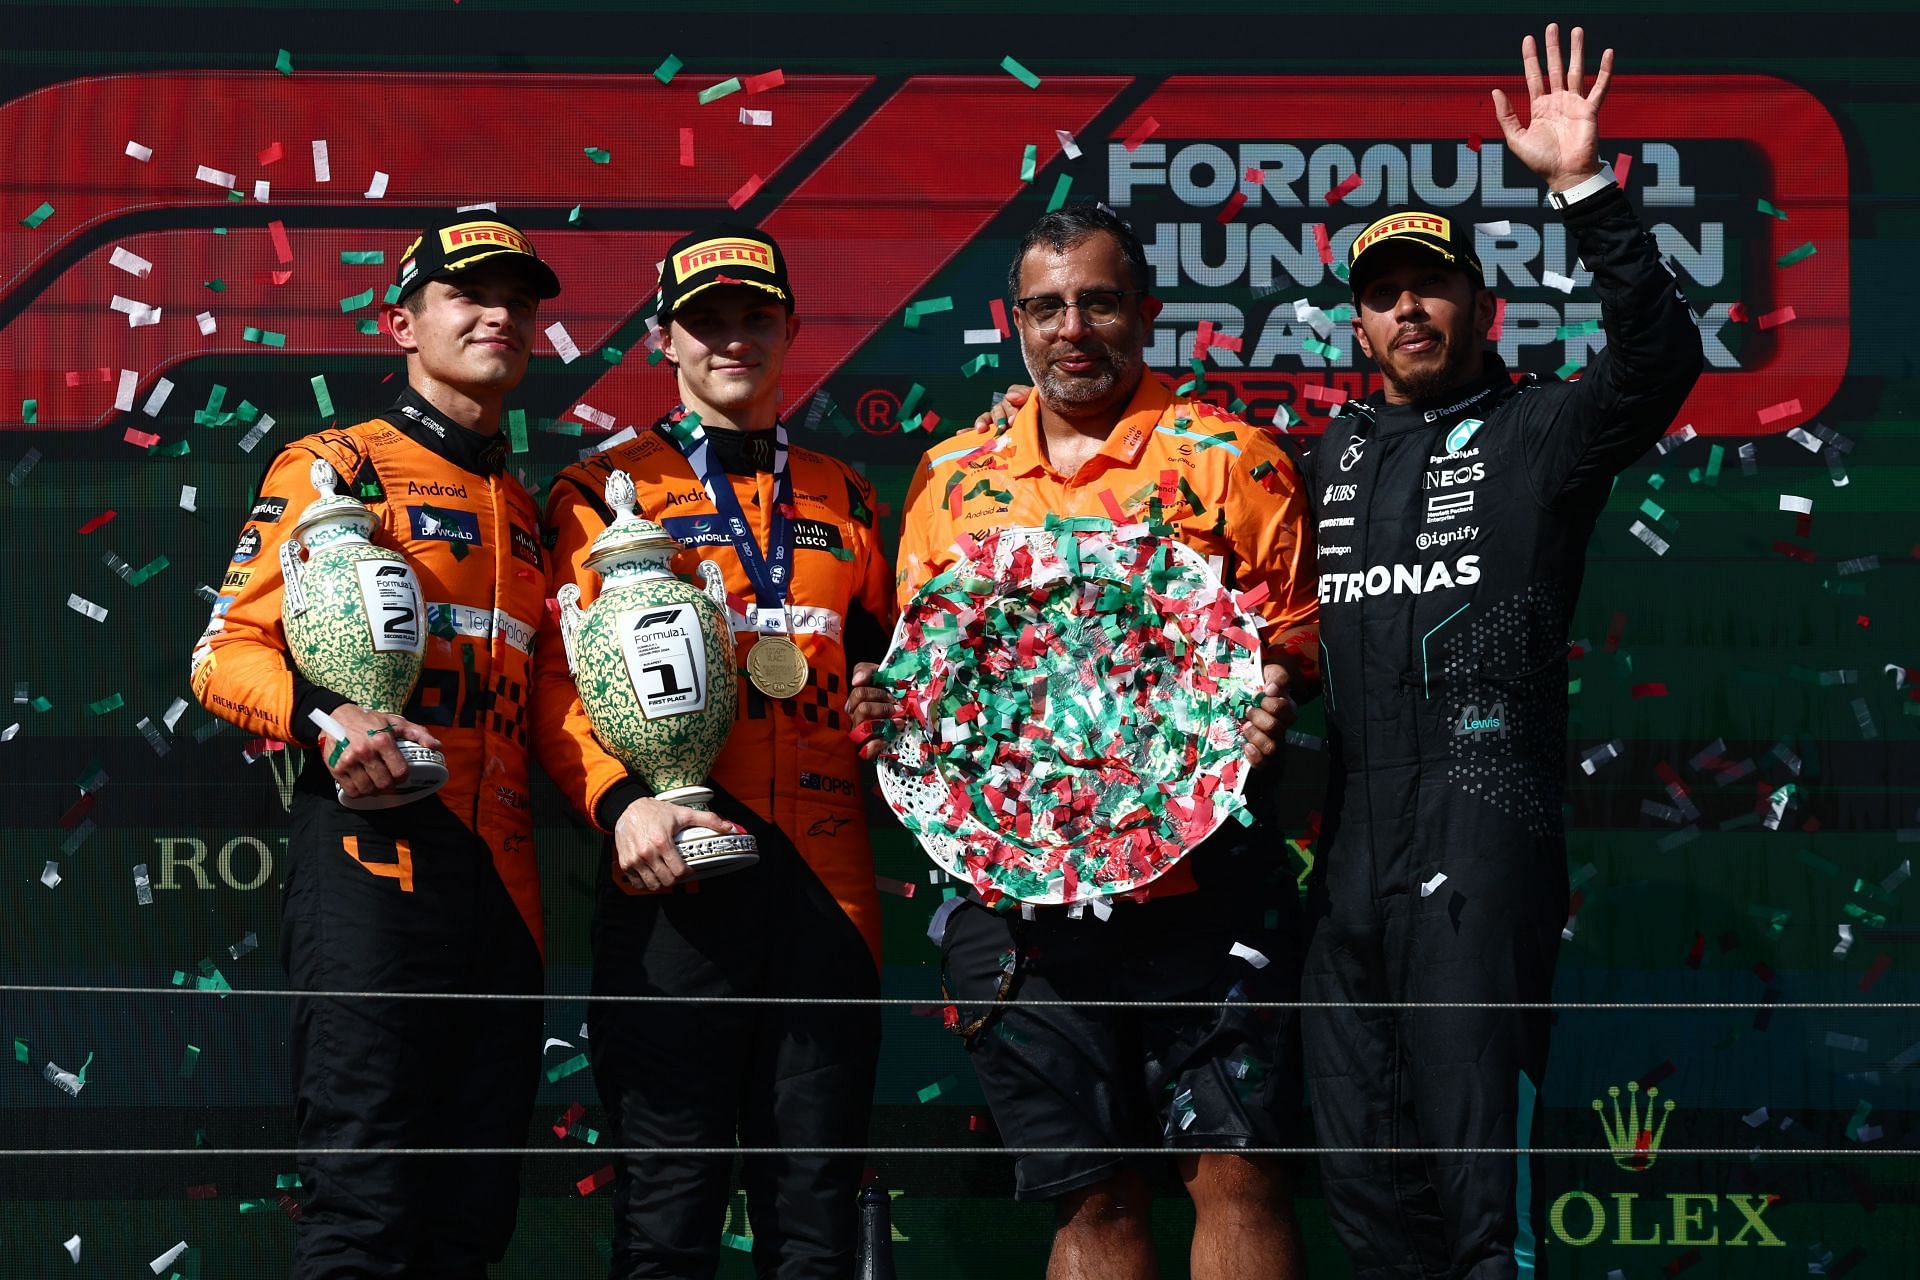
(272, 155)
(1621, 164)
(1324, 242)
(1876, 971)
(1202, 338)
(1111, 506)
(1763, 971)
(1473, 143)
(1323, 395)
(1142, 131)
(594, 1181)
(1235, 203)
(998, 309)
(568, 1118)
(1698, 950)
(1347, 187)
(1774, 412)
(1803, 524)
(1688, 1259)
(1658, 1074)
(98, 520)
(1615, 629)
(1737, 313)
(145, 439)
(1652, 689)
(280, 277)
(976, 1123)
(72, 817)
(1225, 342)
(764, 81)
(281, 249)
(686, 148)
(1791, 552)
(1862, 621)
(1499, 319)
(80, 377)
(745, 193)
(1784, 315)
(205, 1191)
(1254, 596)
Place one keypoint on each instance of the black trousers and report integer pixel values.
(713, 1076)
(405, 900)
(1433, 1078)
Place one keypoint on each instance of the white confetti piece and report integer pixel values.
(1805, 439)
(207, 323)
(1790, 502)
(1755, 1119)
(322, 169)
(562, 342)
(246, 946)
(328, 725)
(82, 605)
(1749, 460)
(262, 189)
(980, 337)
(157, 399)
(73, 1245)
(1654, 541)
(189, 496)
(168, 1258)
(174, 711)
(1244, 952)
(50, 874)
(142, 885)
(555, 1040)
(937, 926)
(129, 383)
(137, 313)
(378, 187)
(597, 417)
(62, 1079)
(1068, 146)
(618, 438)
(1668, 443)
(11, 732)
(218, 177)
(131, 263)
(1554, 280)
(488, 205)
(1427, 887)
(761, 118)
(1592, 760)
(142, 154)
(1840, 1040)
(1500, 228)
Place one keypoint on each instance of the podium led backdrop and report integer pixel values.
(205, 204)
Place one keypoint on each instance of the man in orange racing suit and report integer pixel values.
(792, 532)
(440, 894)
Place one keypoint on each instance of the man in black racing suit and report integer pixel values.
(1452, 514)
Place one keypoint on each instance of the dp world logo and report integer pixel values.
(1633, 1138)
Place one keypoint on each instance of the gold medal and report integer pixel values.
(777, 667)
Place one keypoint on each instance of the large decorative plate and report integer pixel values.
(1073, 697)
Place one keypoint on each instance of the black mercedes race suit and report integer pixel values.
(1451, 540)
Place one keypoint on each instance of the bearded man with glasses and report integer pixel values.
(1100, 438)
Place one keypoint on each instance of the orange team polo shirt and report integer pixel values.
(1227, 487)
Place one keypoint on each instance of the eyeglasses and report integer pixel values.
(1100, 307)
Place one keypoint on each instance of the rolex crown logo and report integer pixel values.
(1634, 1139)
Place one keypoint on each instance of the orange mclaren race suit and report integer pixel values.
(804, 921)
(438, 895)
(1076, 1082)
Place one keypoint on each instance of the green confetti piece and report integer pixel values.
(573, 215)
(20, 1052)
(321, 396)
(1715, 456)
(38, 216)
(333, 757)
(287, 1182)
(714, 93)
(1651, 509)
(985, 360)
(371, 328)
(1770, 210)
(926, 307)
(1029, 163)
(1060, 189)
(669, 68)
(560, 1071)
(1325, 350)
(112, 702)
(149, 569)
(41, 703)
(247, 412)
(1656, 481)
(392, 294)
(355, 301)
(934, 1090)
(284, 63)
(561, 428)
(517, 429)
(1792, 256)
(743, 1243)
(217, 286)
(1567, 370)
(912, 402)
(363, 257)
(1011, 65)
(1573, 687)
(612, 355)
(188, 1061)
(219, 231)
(1579, 329)
(29, 411)
(599, 155)
(265, 337)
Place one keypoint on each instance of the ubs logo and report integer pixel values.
(1339, 493)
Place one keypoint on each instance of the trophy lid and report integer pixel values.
(331, 507)
(630, 532)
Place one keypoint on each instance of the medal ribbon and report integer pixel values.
(769, 572)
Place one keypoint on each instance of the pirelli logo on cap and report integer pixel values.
(468, 235)
(722, 252)
(1400, 224)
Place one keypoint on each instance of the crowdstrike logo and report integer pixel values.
(1447, 537)
(1337, 522)
(1399, 579)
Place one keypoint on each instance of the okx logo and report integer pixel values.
(1634, 1140)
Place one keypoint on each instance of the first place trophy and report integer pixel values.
(653, 660)
(356, 623)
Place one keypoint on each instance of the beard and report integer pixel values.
(1113, 370)
(1459, 363)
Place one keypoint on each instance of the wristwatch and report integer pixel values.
(1575, 194)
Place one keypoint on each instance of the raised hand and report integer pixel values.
(1560, 142)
